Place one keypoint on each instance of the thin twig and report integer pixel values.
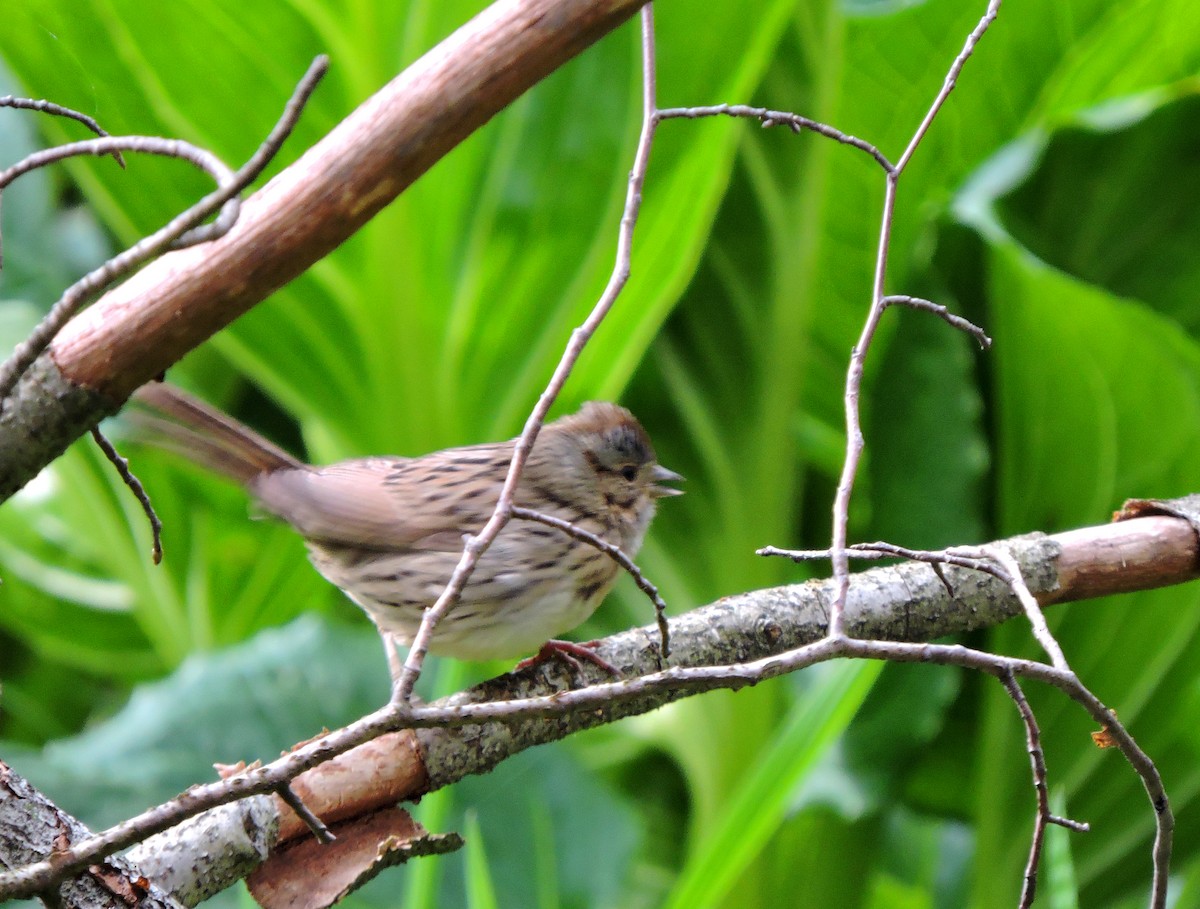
(57, 110)
(769, 118)
(1033, 611)
(882, 550)
(477, 545)
(940, 571)
(951, 80)
(617, 555)
(942, 313)
(183, 228)
(1037, 760)
(198, 157)
(136, 487)
(289, 797)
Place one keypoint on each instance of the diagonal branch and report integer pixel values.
(112, 884)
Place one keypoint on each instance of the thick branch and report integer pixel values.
(31, 827)
(473, 731)
(903, 602)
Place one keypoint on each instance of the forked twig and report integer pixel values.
(999, 563)
(854, 373)
(1043, 815)
(1033, 611)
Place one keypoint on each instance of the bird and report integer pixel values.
(389, 531)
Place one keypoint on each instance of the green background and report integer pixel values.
(1054, 201)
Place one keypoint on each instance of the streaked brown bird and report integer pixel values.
(389, 531)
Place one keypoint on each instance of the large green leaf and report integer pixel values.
(762, 800)
(1084, 209)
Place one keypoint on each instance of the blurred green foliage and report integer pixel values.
(1055, 201)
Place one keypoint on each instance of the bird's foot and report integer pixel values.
(571, 654)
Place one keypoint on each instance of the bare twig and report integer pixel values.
(1042, 815)
(477, 545)
(951, 80)
(93, 283)
(942, 313)
(1033, 611)
(183, 229)
(322, 833)
(107, 145)
(769, 118)
(854, 434)
(992, 560)
(882, 550)
(617, 555)
(57, 110)
(136, 487)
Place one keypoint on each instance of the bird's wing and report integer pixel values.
(389, 503)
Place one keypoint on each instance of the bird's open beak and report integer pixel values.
(659, 475)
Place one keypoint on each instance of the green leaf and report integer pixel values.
(1058, 871)
(930, 454)
(762, 799)
(897, 722)
(481, 894)
(594, 828)
(1084, 207)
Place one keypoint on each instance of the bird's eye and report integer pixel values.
(629, 472)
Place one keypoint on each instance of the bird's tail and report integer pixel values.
(204, 435)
